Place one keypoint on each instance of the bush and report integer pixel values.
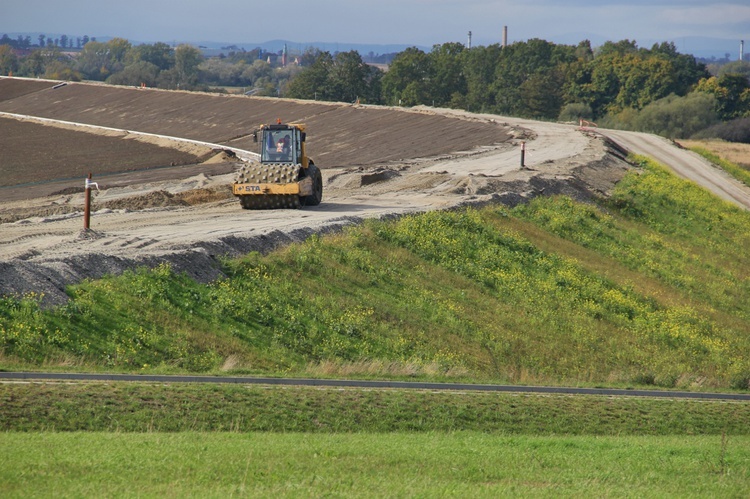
(576, 111)
(737, 130)
(624, 120)
(678, 117)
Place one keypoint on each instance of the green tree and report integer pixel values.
(584, 52)
(541, 94)
(408, 79)
(642, 81)
(678, 117)
(732, 92)
(36, 64)
(309, 57)
(8, 60)
(312, 82)
(622, 76)
(187, 59)
(529, 78)
(216, 71)
(32, 65)
(479, 65)
(256, 71)
(575, 111)
(687, 71)
(94, 61)
(247, 57)
(118, 48)
(735, 67)
(159, 54)
(449, 78)
(595, 84)
(350, 78)
(135, 74)
(61, 70)
(620, 48)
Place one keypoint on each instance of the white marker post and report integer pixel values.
(87, 202)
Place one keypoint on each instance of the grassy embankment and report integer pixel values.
(650, 287)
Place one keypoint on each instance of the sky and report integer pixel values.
(421, 23)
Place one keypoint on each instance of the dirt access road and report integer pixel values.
(377, 162)
(685, 163)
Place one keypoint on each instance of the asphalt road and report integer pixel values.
(337, 383)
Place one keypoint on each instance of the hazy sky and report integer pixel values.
(410, 22)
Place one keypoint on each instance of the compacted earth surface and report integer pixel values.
(164, 162)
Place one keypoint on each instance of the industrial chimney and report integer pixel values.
(505, 36)
(742, 50)
(468, 45)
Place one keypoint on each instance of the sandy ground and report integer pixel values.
(409, 161)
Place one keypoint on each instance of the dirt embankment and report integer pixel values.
(342, 135)
(377, 162)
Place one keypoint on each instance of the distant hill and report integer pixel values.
(215, 48)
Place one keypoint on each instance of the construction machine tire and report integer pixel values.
(270, 202)
(271, 174)
(276, 174)
(316, 197)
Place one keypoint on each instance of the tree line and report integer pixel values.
(63, 41)
(617, 84)
(118, 62)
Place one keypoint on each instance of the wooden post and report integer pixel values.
(87, 204)
(523, 154)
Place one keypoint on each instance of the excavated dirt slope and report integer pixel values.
(341, 135)
(376, 162)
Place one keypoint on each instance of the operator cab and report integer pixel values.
(280, 144)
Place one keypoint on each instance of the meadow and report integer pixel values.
(461, 464)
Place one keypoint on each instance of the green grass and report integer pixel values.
(136, 407)
(650, 287)
(463, 464)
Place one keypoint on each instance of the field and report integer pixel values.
(136, 439)
(462, 464)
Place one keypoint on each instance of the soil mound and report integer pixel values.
(155, 199)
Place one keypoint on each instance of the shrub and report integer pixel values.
(678, 117)
(576, 111)
(737, 130)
